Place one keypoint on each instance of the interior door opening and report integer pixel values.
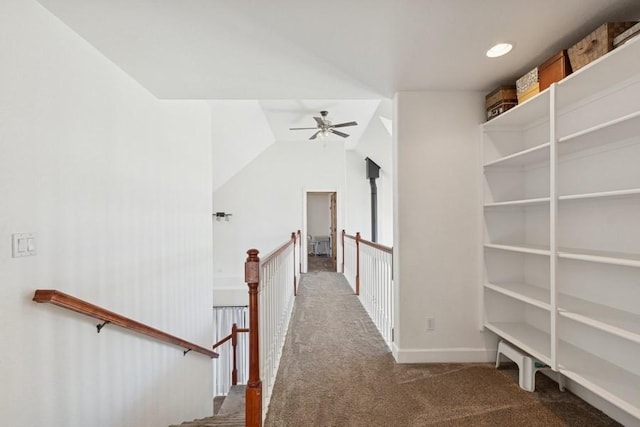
(321, 231)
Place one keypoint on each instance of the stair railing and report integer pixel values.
(233, 336)
(368, 267)
(107, 317)
(272, 286)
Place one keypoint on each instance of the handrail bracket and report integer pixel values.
(99, 326)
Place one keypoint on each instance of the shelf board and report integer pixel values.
(602, 195)
(526, 157)
(609, 381)
(603, 257)
(607, 319)
(603, 126)
(617, 66)
(614, 133)
(533, 110)
(519, 203)
(529, 294)
(523, 248)
(532, 340)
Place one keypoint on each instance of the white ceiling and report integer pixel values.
(297, 50)
(330, 49)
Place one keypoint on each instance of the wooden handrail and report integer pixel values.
(378, 246)
(79, 306)
(278, 250)
(358, 241)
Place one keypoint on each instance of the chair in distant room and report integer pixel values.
(323, 245)
(312, 245)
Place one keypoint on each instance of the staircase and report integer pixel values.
(231, 413)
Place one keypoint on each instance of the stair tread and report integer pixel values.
(229, 420)
(234, 402)
(230, 414)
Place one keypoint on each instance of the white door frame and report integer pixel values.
(339, 225)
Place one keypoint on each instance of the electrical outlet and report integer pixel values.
(431, 324)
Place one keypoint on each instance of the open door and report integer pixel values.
(321, 228)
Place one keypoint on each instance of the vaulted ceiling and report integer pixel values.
(297, 56)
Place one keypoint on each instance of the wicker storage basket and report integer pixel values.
(531, 91)
(596, 44)
(501, 94)
(627, 35)
(525, 82)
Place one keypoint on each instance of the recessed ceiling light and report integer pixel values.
(499, 50)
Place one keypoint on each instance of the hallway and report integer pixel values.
(337, 371)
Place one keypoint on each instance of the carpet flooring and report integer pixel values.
(337, 371)
(320, 263)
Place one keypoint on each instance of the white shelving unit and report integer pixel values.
(562, 227)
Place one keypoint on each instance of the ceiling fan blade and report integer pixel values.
(319, 121)
(302, 128)
(341, 125)
(337, 132)
(315, 135)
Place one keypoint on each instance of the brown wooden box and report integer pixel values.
(501, 94)
(596, 44)
(554, 69)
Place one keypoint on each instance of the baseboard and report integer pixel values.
(444, 355)
(596, 401)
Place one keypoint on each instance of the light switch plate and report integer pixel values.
(24, 244)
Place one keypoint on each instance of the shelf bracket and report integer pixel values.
(184, 353)
(102, 325)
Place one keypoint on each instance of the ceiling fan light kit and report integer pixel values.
(324, 127)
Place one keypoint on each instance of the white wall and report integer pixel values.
(376, 144)
(241, 132)
(318, 214)
(117, 187)
(266, 199)
(437, 236)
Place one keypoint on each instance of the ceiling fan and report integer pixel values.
(324, 126)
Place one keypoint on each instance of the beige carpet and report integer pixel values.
(337, 371)
(320, 263)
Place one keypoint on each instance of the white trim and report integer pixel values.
(395, 351)
(444, 355)
(339, 224)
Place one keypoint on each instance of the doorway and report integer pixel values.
(321, 231)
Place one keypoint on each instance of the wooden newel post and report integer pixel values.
(358, 263)
(300, 244)
(293, 238)
(253, 395)
(343, 234)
